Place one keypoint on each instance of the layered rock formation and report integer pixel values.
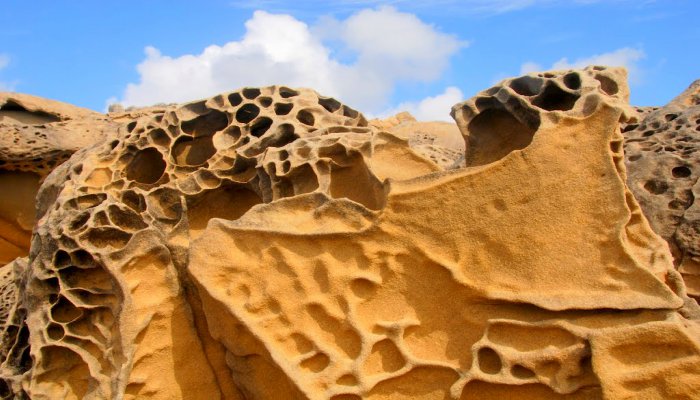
(270, 243)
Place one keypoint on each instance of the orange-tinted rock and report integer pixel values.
(269, 243)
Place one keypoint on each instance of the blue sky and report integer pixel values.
(378, 56)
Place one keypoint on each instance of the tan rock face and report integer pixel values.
(269, 243)
(663, 156)
(36, 135)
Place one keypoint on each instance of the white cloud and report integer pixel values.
(389, 46)
(528, 67)
(627, 57)
(4, 61)
(435, 108)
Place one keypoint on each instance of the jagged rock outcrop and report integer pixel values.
(663, 159)
(270, 243)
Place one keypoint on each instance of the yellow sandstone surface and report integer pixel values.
(270, 243)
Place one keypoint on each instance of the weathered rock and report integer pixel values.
(110, 260)
(36, 135)
(442, 142)
(663, 159)
(270, 244)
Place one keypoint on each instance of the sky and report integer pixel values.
(380, 57)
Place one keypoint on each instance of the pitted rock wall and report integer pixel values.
(271, 243)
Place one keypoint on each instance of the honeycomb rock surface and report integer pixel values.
(271, 243)
(455, 287)
(663, 159)
(110, 253)
(36, 135)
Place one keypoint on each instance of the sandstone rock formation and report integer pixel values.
(441, 142)
(36, 135)
(663, 157)
(270, 243)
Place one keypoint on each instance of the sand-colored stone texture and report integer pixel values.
(36, 135)
(663, 156)
(271, 243)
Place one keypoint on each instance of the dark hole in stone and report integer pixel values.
(630, 127)
(349, 112)
(189, 151)
(247, 113)
(680, 204)
(207, 124)
(615, 146)
(130, 127)
(196, 108)
(527, 85)
(125, 218)
(147, 166)
(572, 80)
(607, 85)
(283, 109)
(134, 200)
(681, 172)
(670, 117)
(329, 103)
(251, 93)
(65, 311)
(83, 258)
(260, 126)
(554, 98)
(61, 259)
(282, 136)
(265, 101)
(656, 187)
(104, 236)
(159, 137)
(493, 134)
(484, 103)
(521, 372)
(305, 117)
(228, 203)
(235, 99)
(286, 92)
(489, 361)
(79, 221)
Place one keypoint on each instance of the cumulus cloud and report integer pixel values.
(627, 57)
(435, 108)
(387, 46)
